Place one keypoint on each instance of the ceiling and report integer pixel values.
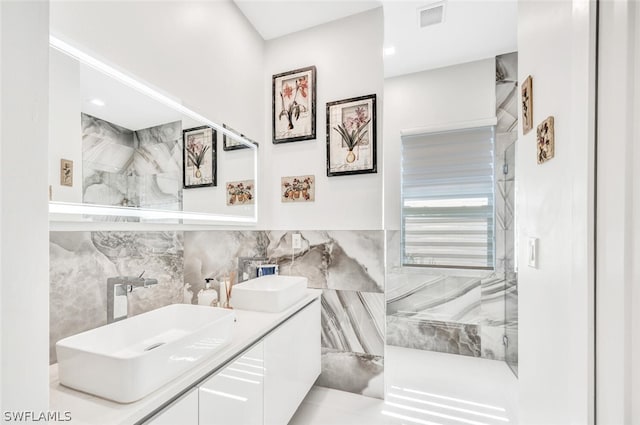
(275, 18)
(472, 29)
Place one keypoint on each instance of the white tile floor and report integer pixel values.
(422, 387)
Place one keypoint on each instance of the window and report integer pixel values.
(448, 199)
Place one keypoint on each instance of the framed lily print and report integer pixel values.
(199, 157)
(351, 136)
(294, 105)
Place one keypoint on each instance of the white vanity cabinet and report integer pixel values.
(183, 412)
(292, 360)
(234, 396)
(263, 385)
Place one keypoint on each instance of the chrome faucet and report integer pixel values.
(117, 290)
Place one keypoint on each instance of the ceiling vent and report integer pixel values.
(431, 15)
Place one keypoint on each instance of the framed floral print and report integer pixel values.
(199, 157)
(294, 105)
(351, 136)
(241, 193)
(527, 105)
(546, 140)
(298, 189)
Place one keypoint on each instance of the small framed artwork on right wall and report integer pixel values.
(546, 143)
(527, 105)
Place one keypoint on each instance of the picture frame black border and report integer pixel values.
(374, 168)
(214, 153)
(236, 147)
(314, 77)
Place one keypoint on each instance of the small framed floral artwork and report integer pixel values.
(229, 144)
(241, 193)
(66, 172)
(546, 142)
(298, 189)
(294, 105)
(351, 136)
(199, 157)
(527, 105)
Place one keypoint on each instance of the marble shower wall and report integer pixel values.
(436, 310)
(506, 141)
(349, 268)
(81, 262)
(132, 168)
(463, 312)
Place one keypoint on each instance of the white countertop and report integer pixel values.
(84, 408)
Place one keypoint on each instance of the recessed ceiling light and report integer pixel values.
(388, 51)
(97, 102)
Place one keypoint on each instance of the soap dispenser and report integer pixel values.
(208, 296)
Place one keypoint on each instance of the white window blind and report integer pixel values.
(448, 199)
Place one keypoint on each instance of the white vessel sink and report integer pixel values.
(124, 361)
(271, 294)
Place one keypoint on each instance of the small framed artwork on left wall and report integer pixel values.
(66, 172)
(199, 157)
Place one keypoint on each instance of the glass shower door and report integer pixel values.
(511, 266)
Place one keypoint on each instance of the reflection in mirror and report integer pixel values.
(123, 151)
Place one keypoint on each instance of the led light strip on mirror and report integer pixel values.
(66, 208)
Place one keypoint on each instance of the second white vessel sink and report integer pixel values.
(271, 294)
(125, 361)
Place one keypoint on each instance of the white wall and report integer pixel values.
(24, 291)
(635, 245)
(465, 92)
(205, 53)
(555, 204)
(1, 258)
(65, 132)
(348, 56)
(618, 329)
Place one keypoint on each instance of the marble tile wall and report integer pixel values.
(349, 268)
(81, 262)
(132, 168)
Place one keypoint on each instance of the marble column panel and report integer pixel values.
(352, 372)
(353, 321)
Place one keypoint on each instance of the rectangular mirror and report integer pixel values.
(122, 151)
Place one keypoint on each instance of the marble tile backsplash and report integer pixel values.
(81, 262)
(347, 265)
